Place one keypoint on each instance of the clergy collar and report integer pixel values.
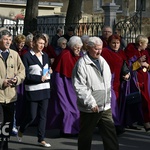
(33, 53)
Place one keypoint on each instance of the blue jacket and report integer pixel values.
(35, 89)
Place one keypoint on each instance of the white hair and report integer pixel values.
(84, 38)
(60, 40)
(94, 41)
(29, 37)
(75, 41)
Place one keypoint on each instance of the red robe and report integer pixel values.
(63, 111)
(65, 62)
(133, 55)
(115, 61)
(105, 41)
(50, 51)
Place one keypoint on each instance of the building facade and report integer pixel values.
(92, 10)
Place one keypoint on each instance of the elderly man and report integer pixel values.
(106, 33)
(92, 82)
(12, 73)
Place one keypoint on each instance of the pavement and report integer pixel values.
(129, 140)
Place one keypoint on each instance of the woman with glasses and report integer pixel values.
(63, 112)
(61, 44)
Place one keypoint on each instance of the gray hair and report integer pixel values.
(75, 40)
(60, 40)
(29, 37)
(84, 38)
(5, 32)
(94, 41)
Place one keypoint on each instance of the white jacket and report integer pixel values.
(91, 87)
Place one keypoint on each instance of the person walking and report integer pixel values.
(12, 73)
(63, 111)
(91, 79)
(37, 88)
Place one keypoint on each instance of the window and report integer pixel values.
(99, 4)
(140, 5)
(119, 2)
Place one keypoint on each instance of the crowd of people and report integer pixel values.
(74, 84)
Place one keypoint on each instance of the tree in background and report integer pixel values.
(73, 12)
(30, 21)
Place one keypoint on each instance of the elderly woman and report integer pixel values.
(116, 58)
(61, 44)
(29, 42)
(139, 62)
(63, 111)
(84, 39)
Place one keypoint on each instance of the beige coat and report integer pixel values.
(16, 68)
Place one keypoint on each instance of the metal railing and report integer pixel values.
(91, 29)
(130, 27)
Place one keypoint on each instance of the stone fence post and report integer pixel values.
(110, 10)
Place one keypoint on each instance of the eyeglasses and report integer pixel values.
(64, 43)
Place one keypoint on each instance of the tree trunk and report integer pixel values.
(30, 21)
(73, 12)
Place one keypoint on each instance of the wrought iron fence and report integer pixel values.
(14, 26)
(91, 29)
(130, 27)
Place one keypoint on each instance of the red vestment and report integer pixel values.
(133, 55)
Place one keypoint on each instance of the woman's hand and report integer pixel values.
(142, 59)
(50, 71)
(127, 76)
(144, 64)
(45, 77)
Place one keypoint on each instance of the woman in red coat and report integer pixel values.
(116, 59)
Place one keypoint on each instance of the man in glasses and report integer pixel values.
(106, 33)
